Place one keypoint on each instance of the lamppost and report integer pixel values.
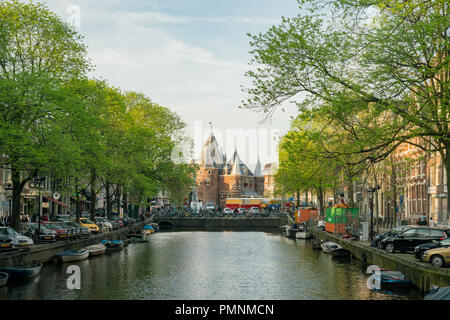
(371, 191)
(39, 181)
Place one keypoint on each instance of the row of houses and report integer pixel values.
(412, 184)
(53, 200)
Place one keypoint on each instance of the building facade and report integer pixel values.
(219, 178)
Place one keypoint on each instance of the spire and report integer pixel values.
(236, 167)
(257, 172)
(211, 153)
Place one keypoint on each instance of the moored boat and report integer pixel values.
(69, 256)
(341, 253)
(3, 278)
(141, 237)
(392, 278)
(303, 235)
(329, 246)
(96, 249)
(22, 272)
(115, 244)
(438, 294)
(148, 229)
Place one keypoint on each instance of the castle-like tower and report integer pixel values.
(219, 179)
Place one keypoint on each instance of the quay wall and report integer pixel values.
(422, 275)
(46, 252)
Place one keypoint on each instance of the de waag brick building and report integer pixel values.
(219, 178)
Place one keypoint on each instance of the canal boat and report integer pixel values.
(389, 278)
(96, 249)
(148, 229)
(140, 237)
(22, 272)
(70, 256)
(341, 253)
(329, 246)
(438, 294)
(115, 244)
(3, 278)
(303, 235)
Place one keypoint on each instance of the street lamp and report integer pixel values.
(371, 191)
(39, 181)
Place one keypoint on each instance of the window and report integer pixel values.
(409, 233)
(423, 233)
(209, 172)
(438, 233)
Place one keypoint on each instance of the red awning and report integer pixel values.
(55, 201)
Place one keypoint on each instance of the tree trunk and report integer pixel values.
(17, 191)
(93, 197)
(108, 200)
(447, 168)
(118, 196)
(125, 204)
(394, 195)
(320, 195)
(298, 198)
(350, 193)
(17, 187)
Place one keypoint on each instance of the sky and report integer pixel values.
(188, 55)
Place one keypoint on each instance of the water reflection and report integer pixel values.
(209, 265)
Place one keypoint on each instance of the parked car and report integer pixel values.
(408, 239)
(227, 211)
(438, 257)
(85, 222)
(377, 242)
(71, 230)
(242, 211)
(82, 232)
(254, 210)
(45, 234)
(104, 224)
(210, 207)
(63, 217)
(11, 236)
(419, 250)
(60, 232)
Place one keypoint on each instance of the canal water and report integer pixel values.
(209, 265)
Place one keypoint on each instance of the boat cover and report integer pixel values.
(439, 294)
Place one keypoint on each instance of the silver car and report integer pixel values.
(15, 238)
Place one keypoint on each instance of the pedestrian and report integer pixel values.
(431, 222)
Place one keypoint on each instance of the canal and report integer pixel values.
(209, 265)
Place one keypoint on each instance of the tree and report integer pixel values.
(38, 53)
(385, 81)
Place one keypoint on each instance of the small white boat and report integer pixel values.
(303, 235)
(329, 246)
(69, 256)
(140, 237)
(96, 249)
